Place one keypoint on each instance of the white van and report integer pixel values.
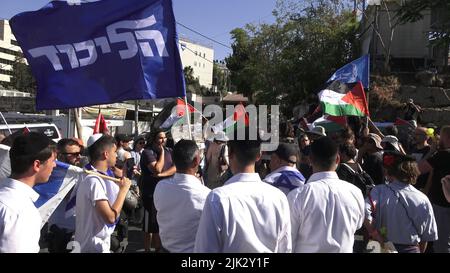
(48, 129)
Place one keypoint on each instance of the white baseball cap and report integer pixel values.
(92, 139)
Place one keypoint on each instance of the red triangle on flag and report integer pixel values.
(240, 113)
(181, 107)
(357, 98)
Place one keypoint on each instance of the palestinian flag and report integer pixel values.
(331, 123)
(173, 113)
(239, 118)
(344, 99)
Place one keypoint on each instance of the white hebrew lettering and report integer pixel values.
(50, 52)
(88, 46)
(138, 38)
(102, 42)
(70, 51)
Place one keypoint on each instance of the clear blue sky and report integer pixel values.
(213, 18)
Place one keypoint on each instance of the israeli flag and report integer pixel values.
(356, 71)
(63, 178)
(101, 51)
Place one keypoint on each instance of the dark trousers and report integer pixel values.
(58, 238)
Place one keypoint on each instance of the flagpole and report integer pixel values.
(188, 116)
(6, 123)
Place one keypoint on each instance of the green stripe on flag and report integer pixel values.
(341, 110)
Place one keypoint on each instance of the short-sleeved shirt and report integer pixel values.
(373, 165)
(441, 167)
(408, 217)
(92, 232)
(149, 181)
(20, 221)
(179, 201)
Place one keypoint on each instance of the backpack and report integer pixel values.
(361, 179)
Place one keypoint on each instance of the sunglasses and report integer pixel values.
(73, 154)
(141, 142)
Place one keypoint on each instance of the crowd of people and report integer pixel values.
(318, 191)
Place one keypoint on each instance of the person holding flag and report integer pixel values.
(99, 201)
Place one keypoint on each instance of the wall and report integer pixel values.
(200, 58)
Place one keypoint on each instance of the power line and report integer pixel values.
(198, 55)
(215, 41)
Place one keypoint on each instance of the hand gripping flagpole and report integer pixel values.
(188, 116)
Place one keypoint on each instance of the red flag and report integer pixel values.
(240, 113)
(100, 126)
(181, 107)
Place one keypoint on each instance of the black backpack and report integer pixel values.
(361, 179)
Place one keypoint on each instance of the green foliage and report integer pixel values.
(22, 79)
(287, 62)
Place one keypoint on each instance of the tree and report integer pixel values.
(192, 83)
(220, 78)
(22, 79)
(287, 62)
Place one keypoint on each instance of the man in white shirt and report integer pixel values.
(32, 161)
(284, 175)
(99, 201)
(179, 200)
(327, 211)
(245, 215)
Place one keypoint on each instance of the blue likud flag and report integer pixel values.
(99, 52)
(63, 178)
(356, 71)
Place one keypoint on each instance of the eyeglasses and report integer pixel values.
(141, 142)
(73, 154)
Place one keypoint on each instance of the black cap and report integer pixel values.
(287, 152)
(30, 144)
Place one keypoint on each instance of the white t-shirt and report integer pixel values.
(179, 201)
(20, 221)
(91, 232)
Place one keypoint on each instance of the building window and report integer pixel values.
(203, 65)
(4, 61)
(11, 52)
(204, 55)
(195, 63)
(6, 72)
(14, 42)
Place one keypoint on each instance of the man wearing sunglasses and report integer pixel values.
(62, 226)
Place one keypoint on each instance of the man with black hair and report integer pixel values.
(284, 175)
(99, 201)
(32, 161)
(62, 226)
(244, 215)
(179, 200)
(327, 211)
